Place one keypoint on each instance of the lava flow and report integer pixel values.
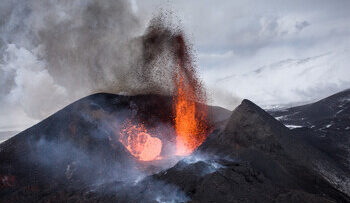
(139, 142)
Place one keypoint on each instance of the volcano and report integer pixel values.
(80, 144)
(79, 154)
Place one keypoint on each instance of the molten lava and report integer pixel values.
(189, 109)
(139, 142)
(190, 119)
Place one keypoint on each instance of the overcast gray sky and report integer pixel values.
(271, 52)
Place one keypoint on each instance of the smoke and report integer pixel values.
(211, 165)
(27, 81)
(223, 98)
(151, 190)
(83, 151)
(56, 52)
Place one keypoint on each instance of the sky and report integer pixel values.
(271, 52)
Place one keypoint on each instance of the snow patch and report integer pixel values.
(293, 126)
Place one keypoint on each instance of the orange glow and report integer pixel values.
(139, 142)
(189, 111)
(188, 119)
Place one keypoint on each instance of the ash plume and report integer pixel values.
(55, 52)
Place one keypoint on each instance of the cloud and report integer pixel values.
(292, 80)
(301, 25)
(68, 43)
(56, 52)
(236, 38)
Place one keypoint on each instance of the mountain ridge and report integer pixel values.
(250, 156)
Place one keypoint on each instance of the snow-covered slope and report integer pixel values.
(292, 80)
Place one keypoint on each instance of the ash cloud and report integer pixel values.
(52, 53)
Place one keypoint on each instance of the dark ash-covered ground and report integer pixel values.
(72, 156)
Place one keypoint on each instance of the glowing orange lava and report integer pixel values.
(189, 110)
(139, 142)
(188, 119)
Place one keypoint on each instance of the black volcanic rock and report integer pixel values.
(250, 157)
(72, 147)
(325, 125)
(270, 164)
(78, 146)
(232, 181)
(250, 126)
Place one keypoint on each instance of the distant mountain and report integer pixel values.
(291, 80)
(325, 124)
(332, 112)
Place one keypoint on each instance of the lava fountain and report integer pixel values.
(189, 112)
(190, 118)
(188, 135)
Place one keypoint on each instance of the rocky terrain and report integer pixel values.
(249, 157)
(324, 124)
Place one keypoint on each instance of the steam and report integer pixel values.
(30, 81)
(95, 159)
(210, 162)
(56, 52)
(223, 98)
